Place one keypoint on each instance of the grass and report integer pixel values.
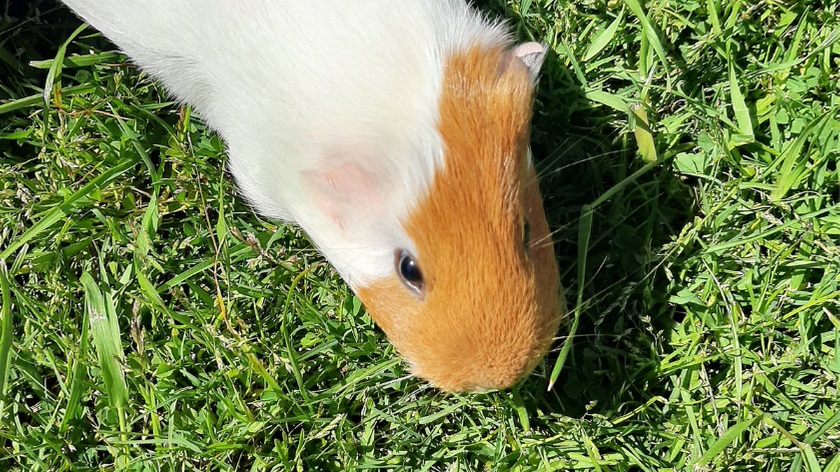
(689, 154)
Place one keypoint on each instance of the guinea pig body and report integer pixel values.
(395, 134)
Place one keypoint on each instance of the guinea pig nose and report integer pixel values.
(499, 377)
(495, 386)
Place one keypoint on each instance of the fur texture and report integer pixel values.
(492, 299)
(377, 126)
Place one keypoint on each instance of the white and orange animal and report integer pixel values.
(395, 133)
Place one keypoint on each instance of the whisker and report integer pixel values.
(547, 172)
(548, 238)
(558, 153)
(561, 151)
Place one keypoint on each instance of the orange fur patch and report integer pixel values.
(491, 306)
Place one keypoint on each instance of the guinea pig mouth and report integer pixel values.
(491, 368)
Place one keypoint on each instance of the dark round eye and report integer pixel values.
(409, 271)
(526, 234)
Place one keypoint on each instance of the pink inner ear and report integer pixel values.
(530, 55)
(348, 180)
(346, 192)
(527, 49)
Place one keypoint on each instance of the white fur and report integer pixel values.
(328, 107)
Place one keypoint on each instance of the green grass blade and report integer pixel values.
(521, 409)
(825, 427)
(34, 100)
(642, 132)
(724, 441)
(651, 35)
(603, 38)
(605, 98)
(58, 62)
(86, 60)
(714, 16)
(106, 341)
(834, 465)
(584, 234)
(6, 329)
(151, 294)
(811, 462)
(739, 106)
(793, 164)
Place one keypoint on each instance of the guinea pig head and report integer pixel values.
(477, 304)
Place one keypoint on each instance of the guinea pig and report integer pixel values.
(395, 134)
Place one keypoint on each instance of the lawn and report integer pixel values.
(149, 320)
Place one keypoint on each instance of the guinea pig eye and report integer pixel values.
(526, 234)
(409, 271)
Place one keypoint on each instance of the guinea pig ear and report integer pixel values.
(350, 193)
(531, 55)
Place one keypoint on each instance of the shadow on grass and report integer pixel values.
(582, 152)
